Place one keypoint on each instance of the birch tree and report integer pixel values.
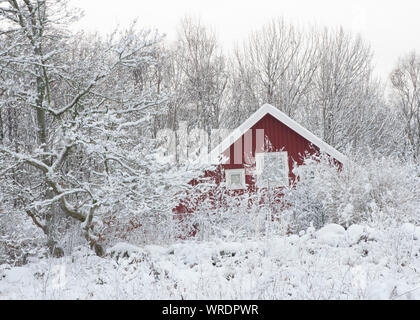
(405, 80)
(344, 90)
(276, 65)
(203, 71)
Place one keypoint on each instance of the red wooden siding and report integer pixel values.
(280, 137)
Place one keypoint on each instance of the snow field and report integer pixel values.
(331, 263)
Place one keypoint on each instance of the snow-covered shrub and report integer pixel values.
(234, 216)
(330, 263)
(145, 215)
(365, 189)
(19, 238)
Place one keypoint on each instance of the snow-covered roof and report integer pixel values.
(215, 155)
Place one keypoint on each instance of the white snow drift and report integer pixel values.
(331, 263)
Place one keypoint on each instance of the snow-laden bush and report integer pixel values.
(330, 263)
(19, 238)
(366, 189)
(233, 216)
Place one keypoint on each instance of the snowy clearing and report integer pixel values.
(331, 263)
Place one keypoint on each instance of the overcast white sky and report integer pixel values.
(391, 26)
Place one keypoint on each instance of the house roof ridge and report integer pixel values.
(283, 118)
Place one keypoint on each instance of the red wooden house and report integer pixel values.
(262, 151)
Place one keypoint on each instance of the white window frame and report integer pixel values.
(228, 174)
(259, 165)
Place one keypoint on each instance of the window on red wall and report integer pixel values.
(272, 169)
(235, 179)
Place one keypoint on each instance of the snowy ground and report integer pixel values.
(332, 263)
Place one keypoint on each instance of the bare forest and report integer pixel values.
(82, 123)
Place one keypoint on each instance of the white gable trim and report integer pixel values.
(215, 155)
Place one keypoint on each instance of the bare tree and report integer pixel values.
(405, 80)
(343, 88)
(201, 68)
(79, 106)
(276, 65)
